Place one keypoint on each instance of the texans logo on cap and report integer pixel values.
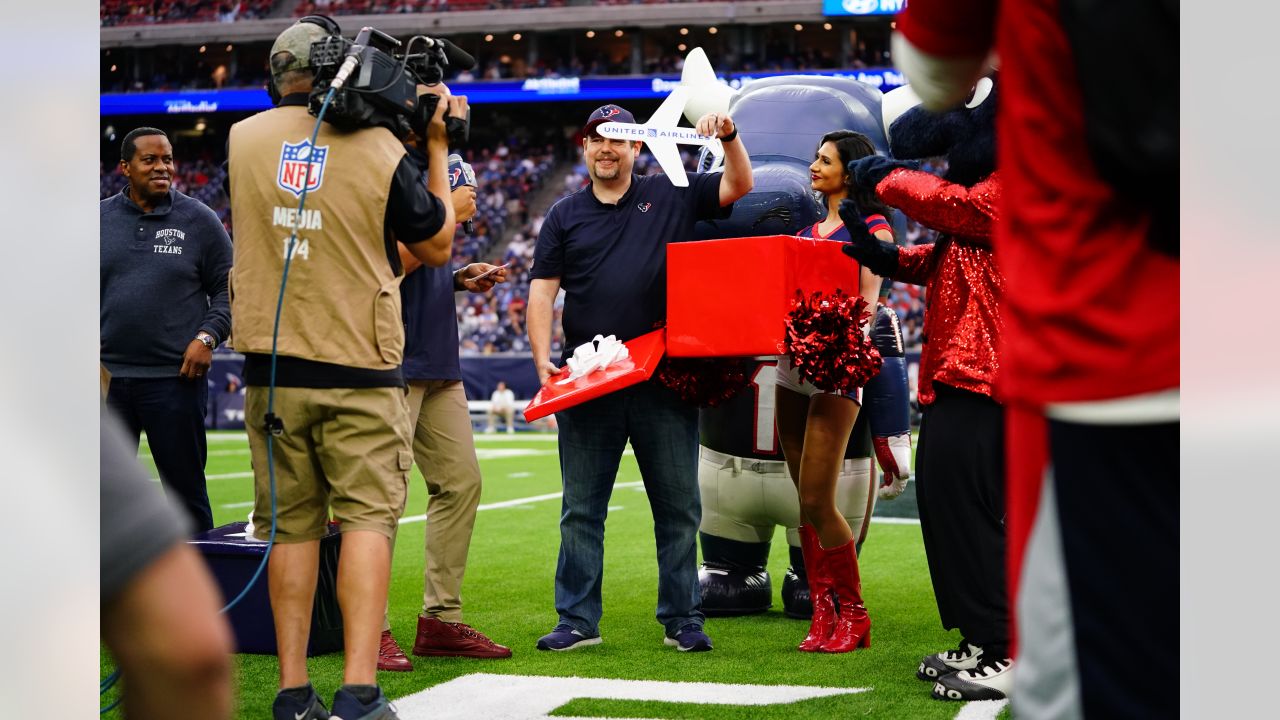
(609, 111)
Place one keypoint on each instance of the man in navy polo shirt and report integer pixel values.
(605, 245)
(164, 308)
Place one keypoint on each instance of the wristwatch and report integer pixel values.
(206, 338)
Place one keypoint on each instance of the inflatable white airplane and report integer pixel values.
(662, 133)
(701, 92)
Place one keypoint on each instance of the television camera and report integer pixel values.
(375, 83)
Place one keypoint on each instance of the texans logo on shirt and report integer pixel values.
(644, 207)
(301, 167)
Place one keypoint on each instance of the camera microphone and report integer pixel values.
(352, 59)
(461, 173)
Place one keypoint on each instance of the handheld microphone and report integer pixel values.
(458, 58)
(461, 173)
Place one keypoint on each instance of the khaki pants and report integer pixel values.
(446, 455)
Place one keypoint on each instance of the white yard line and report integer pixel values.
(513, 503)
(222, 476)
(518, 437)
(531, 697)
(981, 710)
(211, 453)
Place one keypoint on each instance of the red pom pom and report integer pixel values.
(826, 343)
(705, 382)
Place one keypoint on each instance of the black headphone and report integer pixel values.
(329, 24)
(324, 22)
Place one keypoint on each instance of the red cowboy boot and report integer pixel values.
(824, 609)
(853, 629)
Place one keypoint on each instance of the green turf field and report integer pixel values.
(508, 595)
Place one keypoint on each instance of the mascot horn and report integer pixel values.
(746, 491)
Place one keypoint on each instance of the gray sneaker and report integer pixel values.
(348, 707)
(287, 707)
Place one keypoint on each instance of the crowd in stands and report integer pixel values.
(147, 12)
(383, 7)
(151, 12)
(200, 76)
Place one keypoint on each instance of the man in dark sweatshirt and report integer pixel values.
(164, 308)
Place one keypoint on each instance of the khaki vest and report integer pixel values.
(342, 301)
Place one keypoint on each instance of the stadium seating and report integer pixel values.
(150, 12)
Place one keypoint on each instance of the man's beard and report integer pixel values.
(609, 174)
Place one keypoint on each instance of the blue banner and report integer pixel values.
(599, 89)
(838, 8)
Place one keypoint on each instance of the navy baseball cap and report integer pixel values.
(607, 113)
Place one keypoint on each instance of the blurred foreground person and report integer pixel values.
(160, 606)
(1089, 246)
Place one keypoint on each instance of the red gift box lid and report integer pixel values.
(644, 353)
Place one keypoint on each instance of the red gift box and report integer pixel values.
(731, 297)
(643, 353)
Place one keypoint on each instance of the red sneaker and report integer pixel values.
(390, 657)
(444, 639)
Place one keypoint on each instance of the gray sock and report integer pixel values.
(364, 693)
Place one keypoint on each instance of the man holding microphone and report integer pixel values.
(440, 427)
(339, 421)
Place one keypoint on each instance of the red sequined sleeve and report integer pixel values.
(914, 264)
(966, 212)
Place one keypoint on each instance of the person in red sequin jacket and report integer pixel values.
(960, 458)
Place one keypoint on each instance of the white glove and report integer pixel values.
(894, 456)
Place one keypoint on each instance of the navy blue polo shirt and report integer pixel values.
(612, 259)
(163, 278)
(430, 325)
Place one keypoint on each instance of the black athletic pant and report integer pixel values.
(960, 492)
(1117, 493)
(171, 412)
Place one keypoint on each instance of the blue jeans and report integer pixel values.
(663, 431)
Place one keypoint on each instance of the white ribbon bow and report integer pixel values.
(598, 354)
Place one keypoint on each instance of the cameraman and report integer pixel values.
(339, 391)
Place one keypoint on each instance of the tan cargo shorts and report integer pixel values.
(345, 450)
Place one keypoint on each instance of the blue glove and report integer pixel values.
(867, 172)
(878, 256)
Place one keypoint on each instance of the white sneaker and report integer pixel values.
(990, 680)
(964, 657)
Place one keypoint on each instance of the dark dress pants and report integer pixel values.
(171, 411)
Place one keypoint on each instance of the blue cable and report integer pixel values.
(111, 680)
